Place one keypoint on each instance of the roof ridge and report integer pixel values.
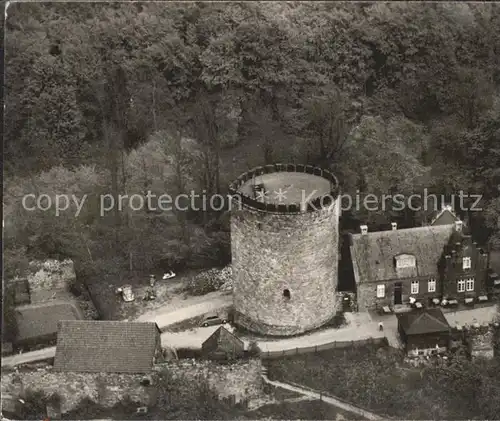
(435, 318)
(427, 314)
(418, 318)
(430, 228)
(446, 208)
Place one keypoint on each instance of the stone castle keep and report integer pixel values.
(284, 244)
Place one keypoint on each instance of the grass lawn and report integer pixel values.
(111, 306)
(374, 378)
(303, 410)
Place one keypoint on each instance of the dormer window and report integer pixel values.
(405, 261)
(466, 262)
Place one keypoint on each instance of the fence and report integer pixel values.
(328, 395)
(323, 201)
(324, 347)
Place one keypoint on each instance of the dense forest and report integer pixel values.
(130, 98)
(126, 98)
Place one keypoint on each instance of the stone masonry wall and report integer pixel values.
(106, 389)
(274, 252)
(241, 380)
(50, 279)
(481, 342)
(367, 297)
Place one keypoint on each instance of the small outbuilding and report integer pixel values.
(424, 332)
(223, 345)
(37, 323)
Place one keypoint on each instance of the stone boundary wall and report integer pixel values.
(106, 389)
(480, 340)
(241, 380)
(50, 279)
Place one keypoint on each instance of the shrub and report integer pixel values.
(337, 321)
(253, 349)
(208, 281)
(85, 410)
(35, 404)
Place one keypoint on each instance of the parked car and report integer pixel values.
(168, 275)
(126, 293)
(214, 319)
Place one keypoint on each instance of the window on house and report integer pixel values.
(431, 285)
(381, 291)
(405, 261)
(466, 263)
(461, 285)
(469, 284)
(286, 293)
(414, 287)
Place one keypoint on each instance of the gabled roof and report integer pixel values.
(373, 253)
(39, 320)
(423, 321)
(106, 346)
(219, 336)
(445, 216)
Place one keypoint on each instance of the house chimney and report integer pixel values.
(364, 229)
(458, 226)
(394, 226)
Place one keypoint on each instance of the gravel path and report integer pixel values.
(29, 357)
(482, 315)
(194, 338)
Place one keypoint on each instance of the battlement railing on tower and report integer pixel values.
(313, 205)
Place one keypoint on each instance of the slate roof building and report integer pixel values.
(424, 265)
(37, 323)
(390, 266)
(424, 331)
(222, 344)
(107, 347)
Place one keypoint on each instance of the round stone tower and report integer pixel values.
(284, 244)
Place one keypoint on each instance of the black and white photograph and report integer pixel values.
(255, 210)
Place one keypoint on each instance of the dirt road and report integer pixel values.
(192, 307)
(195, 306)
(29, 357)
(194, 338)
